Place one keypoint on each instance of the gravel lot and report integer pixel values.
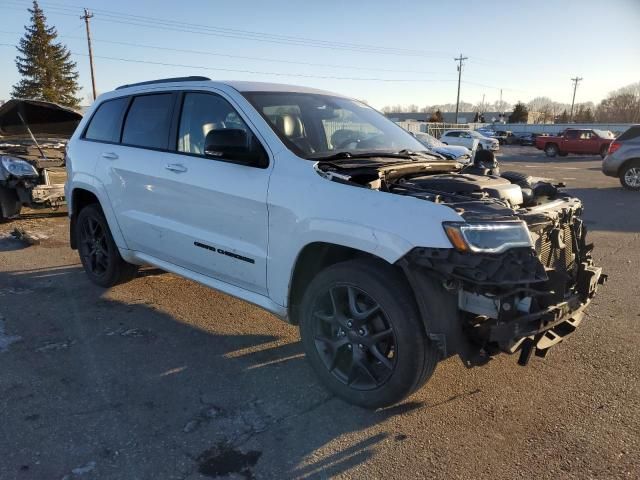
(162, 378)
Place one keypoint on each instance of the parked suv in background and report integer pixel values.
(322, 211)
(623, 159)
(469, 138)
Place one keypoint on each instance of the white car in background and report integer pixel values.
(458, 153)
(468, 138)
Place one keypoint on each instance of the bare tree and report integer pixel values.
(622, 105)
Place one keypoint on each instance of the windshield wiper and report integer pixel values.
(341, 155)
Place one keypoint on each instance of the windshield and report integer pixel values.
(315, 126)
(476, 134)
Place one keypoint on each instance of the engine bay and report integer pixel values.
(476, 193)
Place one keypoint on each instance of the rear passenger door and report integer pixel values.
(590, 142)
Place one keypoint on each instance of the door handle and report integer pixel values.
(110, 155)
(176, 167)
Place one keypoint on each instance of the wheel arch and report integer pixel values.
(628, 163)
(313, 258)
(80, 197)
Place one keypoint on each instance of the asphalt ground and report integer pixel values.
(162, 378)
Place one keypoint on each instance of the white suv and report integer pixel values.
(469, 139)
(318, 209)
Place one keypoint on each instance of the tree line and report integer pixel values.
(620, 106)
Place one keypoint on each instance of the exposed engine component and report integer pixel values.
(476, 186)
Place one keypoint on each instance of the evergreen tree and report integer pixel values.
(47, 71)
(436, 117)
(563, 117)
(520, 114)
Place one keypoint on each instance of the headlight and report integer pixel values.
(18, 168)
(488, 237)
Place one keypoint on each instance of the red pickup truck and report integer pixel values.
(574, 140)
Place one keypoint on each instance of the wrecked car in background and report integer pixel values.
(33, 136)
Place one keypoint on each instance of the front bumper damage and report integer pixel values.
(524, 300)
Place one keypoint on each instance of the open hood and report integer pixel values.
(45, 119)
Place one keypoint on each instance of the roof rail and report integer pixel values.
(166, 80)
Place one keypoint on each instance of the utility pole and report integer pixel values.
(87, 15)
(460, 60)
(575, 87)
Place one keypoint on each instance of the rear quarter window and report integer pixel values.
(106, 123)
(631, 133)
(148, 121)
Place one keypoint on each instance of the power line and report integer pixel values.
(258, 72)
(242, 57)
(150, 22)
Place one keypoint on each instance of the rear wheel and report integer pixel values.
(630, 176)
(98, 252)
(363, 335)
(551, 150)
(603, 151)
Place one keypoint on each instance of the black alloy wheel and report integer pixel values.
(93, 247)
(354, 338)
(363, 334)
(98, 252)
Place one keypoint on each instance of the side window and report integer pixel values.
(148, 121)
(105, 123)
(453, 134)
(202, 113)
(572, 134)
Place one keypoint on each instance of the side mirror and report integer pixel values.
(236, 145)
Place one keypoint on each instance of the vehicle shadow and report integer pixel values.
(614, 208)
(126, 390)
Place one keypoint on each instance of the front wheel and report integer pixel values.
(363, 335)
(551, 150)
(630, 176)
(98, 252)
(10, 205)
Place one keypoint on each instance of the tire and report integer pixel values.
(98, 252)
(604, 150)
(630, 176)
(10, 205)
(380, 328)
(551, 150)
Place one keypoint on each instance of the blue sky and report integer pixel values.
(527, 48)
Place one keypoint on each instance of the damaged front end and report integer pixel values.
(523, 299)
(521, 271)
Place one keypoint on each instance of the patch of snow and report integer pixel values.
(84, 469)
